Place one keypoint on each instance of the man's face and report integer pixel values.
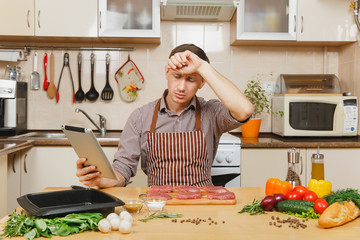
(182, 88)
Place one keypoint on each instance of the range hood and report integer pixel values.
(198, 10)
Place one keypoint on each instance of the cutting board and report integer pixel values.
(201, 201)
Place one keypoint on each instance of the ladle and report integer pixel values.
(92, 94)
(79, 95)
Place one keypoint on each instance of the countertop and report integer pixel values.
(265, 140)
(235, 226)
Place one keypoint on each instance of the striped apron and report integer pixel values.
(178, 158)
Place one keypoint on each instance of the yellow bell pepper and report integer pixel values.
(320, 187)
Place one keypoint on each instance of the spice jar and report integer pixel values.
(317, 166)
(294, 167)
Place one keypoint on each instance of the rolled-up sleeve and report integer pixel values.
(127, 157)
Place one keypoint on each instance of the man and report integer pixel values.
(176, 136)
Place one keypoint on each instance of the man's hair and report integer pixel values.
(191, 47)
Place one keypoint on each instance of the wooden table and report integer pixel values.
(236, 226)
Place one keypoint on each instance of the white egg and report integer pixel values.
(104, 225)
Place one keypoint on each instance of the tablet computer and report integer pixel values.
(86, 145)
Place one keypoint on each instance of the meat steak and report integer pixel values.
(161, 189)
(188, 195)
(221, 196)
(186, 188)
(215, 189)
(159, 194)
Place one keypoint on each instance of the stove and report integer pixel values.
(225, 170)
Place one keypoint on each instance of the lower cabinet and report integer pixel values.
(33, 169)
(341, 166)
(260, 164)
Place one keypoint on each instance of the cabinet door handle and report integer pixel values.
(25, 169)
(302, 24)
(100, 20)
(27, 18)
(13, 163)
(39, 18)
(294, 23)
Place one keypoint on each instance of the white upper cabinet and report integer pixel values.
(129, 18)
(17, 17)
(327, 21)
(266, 20)
(66, 18)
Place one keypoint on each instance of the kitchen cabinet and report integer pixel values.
(341, 166)
(17, 17)
(34, 169)
(136, 18)
(66, 18)
(294, 22)
(3, 183)
(327, 21)
(260, 164)
(265, 20)
(49, 18)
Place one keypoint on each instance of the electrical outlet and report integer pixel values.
(269, 87)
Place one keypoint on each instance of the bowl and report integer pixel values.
(133, 206)
(155, 204)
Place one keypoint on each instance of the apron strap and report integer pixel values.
(197, 116)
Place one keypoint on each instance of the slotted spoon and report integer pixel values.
(107, 93)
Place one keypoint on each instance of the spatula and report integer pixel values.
(107, 93)
(35, 76)
(51, 91)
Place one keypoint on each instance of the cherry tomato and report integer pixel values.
(310, 196)
(301, 190)
(320, 205)
(294, 195)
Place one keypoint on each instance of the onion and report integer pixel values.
(268, 203)
(279, 197)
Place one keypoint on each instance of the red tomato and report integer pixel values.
(294, 195)
(320, 205)
(301, 190)
(310, 196)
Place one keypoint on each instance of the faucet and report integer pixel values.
(102, 119)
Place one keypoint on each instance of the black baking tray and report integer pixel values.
(61, 203)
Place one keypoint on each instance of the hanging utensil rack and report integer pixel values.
(26, 50)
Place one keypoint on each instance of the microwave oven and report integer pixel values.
(315, 115)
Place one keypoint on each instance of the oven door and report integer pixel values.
(226, 176)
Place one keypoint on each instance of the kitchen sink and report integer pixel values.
(109, 136)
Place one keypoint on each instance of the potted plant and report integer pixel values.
(259, 98)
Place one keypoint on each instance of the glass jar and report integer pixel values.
(317, 166)
(294, 167)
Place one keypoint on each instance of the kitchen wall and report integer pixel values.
(238, 63)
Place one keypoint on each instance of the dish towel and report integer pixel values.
(9, 56)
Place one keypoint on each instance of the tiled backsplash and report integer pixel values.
(238, 63)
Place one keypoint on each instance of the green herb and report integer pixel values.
(258, 96)
(253, 208)
(33, 227)
(160, 215)
(344, 195)
(309, 215)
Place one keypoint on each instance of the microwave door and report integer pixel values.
(313, 116)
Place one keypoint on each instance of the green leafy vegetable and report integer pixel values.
(344, 195)
(33, 227)
(309, 215)
(160, 215)
(253, 208)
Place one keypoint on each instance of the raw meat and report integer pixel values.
(221, 196)
(185, 188)
(188, 195)
(215, 189)
(159, 194)
(161, 189)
